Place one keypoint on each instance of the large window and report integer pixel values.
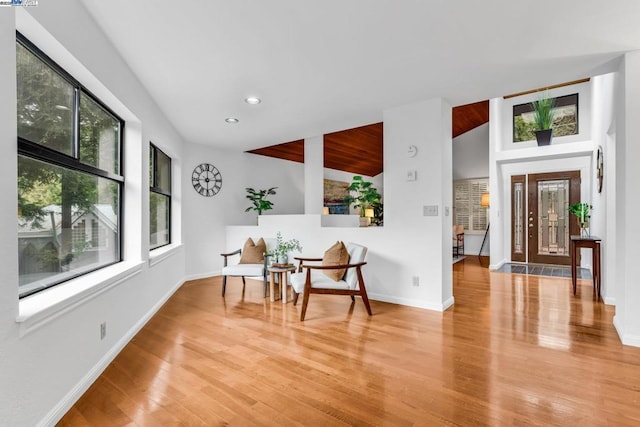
(467, 208)
(69, 175)
(160, 198)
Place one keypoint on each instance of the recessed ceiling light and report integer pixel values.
(231, 120)
(253, 100)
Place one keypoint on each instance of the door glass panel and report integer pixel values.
(553, 221)
(518, 226)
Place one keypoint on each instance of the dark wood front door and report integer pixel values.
(540, 221)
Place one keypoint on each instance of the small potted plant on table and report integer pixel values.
(581, 211)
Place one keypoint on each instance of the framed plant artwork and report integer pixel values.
(565, 120)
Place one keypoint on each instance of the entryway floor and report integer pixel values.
(544, 270)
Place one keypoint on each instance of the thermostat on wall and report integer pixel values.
(413, 150)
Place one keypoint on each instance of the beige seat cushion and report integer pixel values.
(253, 253)
(335, 255)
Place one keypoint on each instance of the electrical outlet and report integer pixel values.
(103, 330)
(416, 281)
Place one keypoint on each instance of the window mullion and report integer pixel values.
(76, 123)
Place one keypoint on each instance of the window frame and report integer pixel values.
(36, 151)
(153, 188)
(471, 205)
(560, 101)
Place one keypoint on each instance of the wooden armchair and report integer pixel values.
(314, 281)
(252, 270)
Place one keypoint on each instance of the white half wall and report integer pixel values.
(206, 217)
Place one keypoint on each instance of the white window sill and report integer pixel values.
(41, 308)
(160, 254)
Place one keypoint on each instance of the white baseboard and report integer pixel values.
(497, 266)
(627, 339)
(203, 275)
(609, 300)
(58, 411)
(435, 306)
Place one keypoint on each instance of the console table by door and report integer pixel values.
(593, 243)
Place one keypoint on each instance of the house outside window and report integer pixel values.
(467, 210)
(69, 174)
(159, 198)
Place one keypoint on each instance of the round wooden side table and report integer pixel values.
(283, 279)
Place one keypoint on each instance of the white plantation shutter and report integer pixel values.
(467, 196)
(462, 198)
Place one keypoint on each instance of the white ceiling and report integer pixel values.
(323, 66)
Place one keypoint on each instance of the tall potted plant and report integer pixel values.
(366, 197)
(259, 199)
(543, 118)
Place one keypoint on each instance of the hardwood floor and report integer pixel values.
(513, 350)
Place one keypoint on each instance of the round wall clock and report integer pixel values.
(600, 168)
(206, 180)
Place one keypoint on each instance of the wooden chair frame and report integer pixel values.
(265, 273)
(308, 289)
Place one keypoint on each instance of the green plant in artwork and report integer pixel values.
(259, 199)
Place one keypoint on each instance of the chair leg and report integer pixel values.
(363, 292)
(244, 285)
(305, 301)
(224, 284)
(353, 299)
(264, 286)
(295, 297)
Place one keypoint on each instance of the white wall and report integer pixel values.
(53, 354)
(410, 244)
(574, 152)
(207, 216)
(627, 291)
(471, 154)
(471, 160)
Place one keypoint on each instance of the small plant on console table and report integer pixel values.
(259, 199)
(582, 212)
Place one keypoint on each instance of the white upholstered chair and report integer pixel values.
(252, 271)
(314, 281)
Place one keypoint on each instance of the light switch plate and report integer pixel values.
(430, 210)
(412, 175)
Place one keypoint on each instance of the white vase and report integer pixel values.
(283, 259)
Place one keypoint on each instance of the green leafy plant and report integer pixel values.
(285, 246)
(366, 196)
(581, 210)
(543, 111)
(259, 199)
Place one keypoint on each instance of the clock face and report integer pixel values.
(206, 180)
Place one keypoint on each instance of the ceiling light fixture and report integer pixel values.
(253, 100)
(231, 120)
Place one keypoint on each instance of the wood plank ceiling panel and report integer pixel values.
(469, 116)
(293, 151)
(358, 150)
